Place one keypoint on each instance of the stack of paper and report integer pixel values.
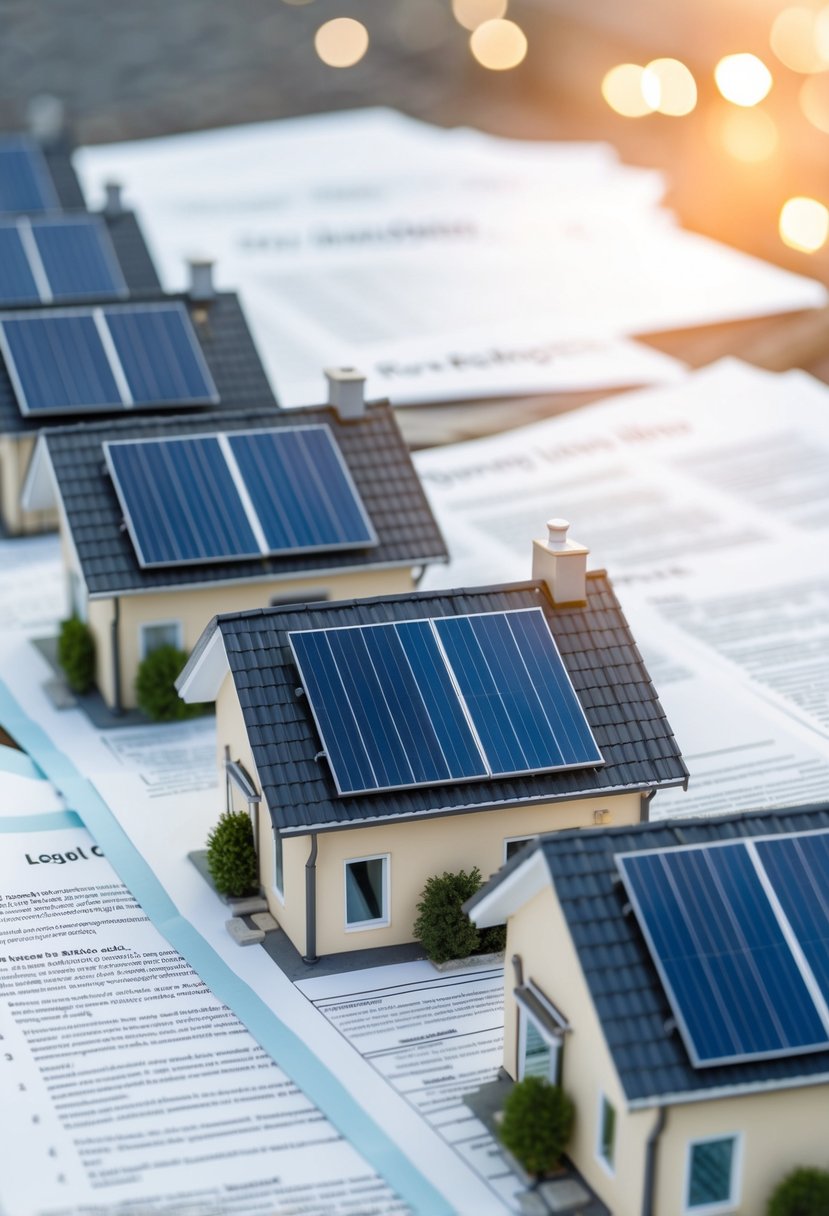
(445, 264)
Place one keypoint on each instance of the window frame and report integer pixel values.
(165, 624)
(379, 922)
(278, 847)
(508, 840)
(607, 1164)
(732, 1203)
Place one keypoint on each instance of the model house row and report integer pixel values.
(380, 741)
(674, 978)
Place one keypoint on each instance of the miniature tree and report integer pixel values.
(231, 857)
(537, 1123)
(442, 927)
(155, 686)
(803, 1192)
(76, 654)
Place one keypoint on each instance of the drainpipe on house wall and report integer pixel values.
(310, 955)
(117, 706)
(645, 806)
(651, 1146)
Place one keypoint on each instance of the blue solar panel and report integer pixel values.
(401, 705)
(183, 505)
(57, 362)
(17, 283)
(87, 360)
(518, 693)
(159, 353)
(25, 182)
(301, 489)
(798, 868)
(733, 983)
(77, 258)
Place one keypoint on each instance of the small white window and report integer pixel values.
(712, 1175)
(278, 867)
(160, 633)
(367, 892)
(606, 1143)
(513, 844)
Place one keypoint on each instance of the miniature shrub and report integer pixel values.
(231, 857)
(76, 654)
(443, 928)
(803, 1192)
(493, 939)
(537, 1123)
(155, 686)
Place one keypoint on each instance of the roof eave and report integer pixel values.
(204, 672)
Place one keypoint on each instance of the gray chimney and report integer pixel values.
(201, 279)
(345, 391)
(113, 204)
(561, 564)
(46, 118)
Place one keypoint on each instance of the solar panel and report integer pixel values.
(724, 954)
(798, 869)
(25, 181)
(88, 360)
(402, 704)
(247, 494)
(44, 259)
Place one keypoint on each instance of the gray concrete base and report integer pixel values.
(247, 905)
(242, 933)
(264, 921)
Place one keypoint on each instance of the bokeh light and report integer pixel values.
(822, 35)
(743, 79)
(342, 42)
(794, 38)
(748, 135)
(623, 90)
(472, 13)
(669, 87)
(804, 224)
(498, 45)
(814, 100)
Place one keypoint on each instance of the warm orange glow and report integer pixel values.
(498, 45)
(342, 42)
(822, 35)
(748, 135)
(472, 13)
(794, 38)
(669, 87)
(743, 79)
(814, 100)
(804, 224)
(623, 90)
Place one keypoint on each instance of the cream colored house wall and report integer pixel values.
(779, 1130)
(195, 608)
(15, 454)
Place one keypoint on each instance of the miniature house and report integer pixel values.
(378, 742)
(54, 254)
(673, 977)
(167, 521)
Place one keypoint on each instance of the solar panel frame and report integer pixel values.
(804, 1003)
(123, 399)
(42, 196)
(115, 289)
(324, 722)
(15, 265)
(797, 869)
(126, 347)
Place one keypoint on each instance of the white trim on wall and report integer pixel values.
(167, 624)
(378, 922)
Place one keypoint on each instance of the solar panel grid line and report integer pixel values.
(27, 240)
(470, 721)
(25, 181)
(118, 374)
(57, 363)
(795, 869)
(160, 356)
(17, 283)
(78, 257)
(242, 491)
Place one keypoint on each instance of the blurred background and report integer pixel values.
(738, 140)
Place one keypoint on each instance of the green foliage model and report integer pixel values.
(537, 1123)
(443, 928)
(231, 858)
(76, 654)
(155, 688)
(803, 1192)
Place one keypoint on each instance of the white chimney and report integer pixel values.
(345, 391)
(46, 118)
(112, 201)
(561, 564)
(201, 279)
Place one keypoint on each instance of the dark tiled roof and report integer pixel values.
(373, 448)
(597, 648)
(228, 347)
(59, 160)
(628, 996)
(131, 250)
